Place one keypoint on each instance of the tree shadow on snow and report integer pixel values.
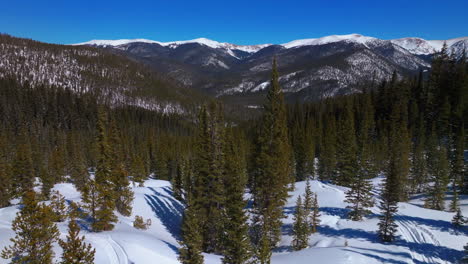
(378, 254)
(440, 225)
(167, 209)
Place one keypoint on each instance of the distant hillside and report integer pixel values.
(113, 79)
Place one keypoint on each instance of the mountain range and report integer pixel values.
(309, 68)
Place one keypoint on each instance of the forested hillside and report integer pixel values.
(61, 123)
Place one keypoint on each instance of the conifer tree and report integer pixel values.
(300, 227)
(177, 181)
(47, 182)
(22, 169)
(120, 181)
(465, 258)
(138, 170)
(208, 195)
(75, 250)
(440, 177)
(191, 244)
(308, 202)
(78, 169)
(5, 182)
(458, 220)
(58, 206)
(273, 171)
(327, 159)
(90, 197)
(360, 198)
(419, 168)
(315, 216)
(455, 203)
(347, 167)
(237, 248)
(104, 214)
(389, 206)
(57, 165)
(35, 233)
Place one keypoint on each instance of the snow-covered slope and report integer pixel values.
(357, 38)
(173, 44)
(425, 236)
(420, 46)
(414, 45)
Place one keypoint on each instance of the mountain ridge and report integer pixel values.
(430, 46)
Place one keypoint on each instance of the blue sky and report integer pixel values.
(240, 21)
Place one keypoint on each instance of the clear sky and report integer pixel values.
(240, 21)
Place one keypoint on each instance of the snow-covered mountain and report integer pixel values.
(174, 44)
(115, 80)
(420, 46)
(424, 235)
(414, 45)
(311, 68)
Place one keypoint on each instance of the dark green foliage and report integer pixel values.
(327, 159)
(120, 181)
(300, 226)
(75, 250)
(22, 169)
(389, 207)
(58, 206)
(273, 171)
(35, 233)
(458, 220)
(360, 198)
(104, 218)
(315, 216)
(439, 172)
(191, 244)
(347, 164)
(6, 185)
(138, 170)
(237, 248)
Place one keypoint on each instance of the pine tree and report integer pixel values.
(360, 198)
(75, 250)
(465, 258)
(315, 216)
(5, 182)
(236, 243)
(57, 165)
(22, 169)
(90, 198)
(138, 170)
(273, 171)
(58, 206)
(178, 180)
(347, 166)
(440, 177)
(455, 203)
(208, 195)
(120, 181)
(458, 220)
(300, 227)
(389, 207)
(104, 214)
(35, 233)
(308, 203)
(191, 250)
(327, 159)
(47, 182)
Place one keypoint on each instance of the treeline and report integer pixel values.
(49, 133)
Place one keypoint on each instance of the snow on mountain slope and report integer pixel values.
(425, 236)
(420, 46)
(173, 44)
(329, 39)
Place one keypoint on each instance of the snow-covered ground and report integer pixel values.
(425, 236)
